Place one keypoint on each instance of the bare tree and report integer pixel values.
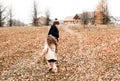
(47, 17)
(2, 17)
(106, 18)
(93, 19)
(84, 18)
(10, 21)
(35, 14)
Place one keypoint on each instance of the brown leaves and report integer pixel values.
(83, 55)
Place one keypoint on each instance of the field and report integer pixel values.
(85, 54)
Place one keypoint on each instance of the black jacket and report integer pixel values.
(54, 31)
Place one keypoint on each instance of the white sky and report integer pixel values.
(22, 9)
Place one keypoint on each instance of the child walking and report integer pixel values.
(50, 48)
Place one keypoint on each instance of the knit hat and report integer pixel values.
(56, 22)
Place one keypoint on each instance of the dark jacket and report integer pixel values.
(54, 31)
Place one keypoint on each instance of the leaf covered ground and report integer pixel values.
(84, 54)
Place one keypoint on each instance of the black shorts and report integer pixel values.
(52, 60)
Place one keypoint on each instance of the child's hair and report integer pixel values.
(51, 40)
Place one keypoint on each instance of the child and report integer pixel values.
(51, 46)
(50, 54)
(54, 29)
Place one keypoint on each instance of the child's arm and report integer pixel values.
(40, 54)
(45, 49)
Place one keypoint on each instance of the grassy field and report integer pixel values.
(85, 54)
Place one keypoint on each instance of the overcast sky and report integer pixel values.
(22, 9)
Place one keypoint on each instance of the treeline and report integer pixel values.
(99, 16)
(7, 16)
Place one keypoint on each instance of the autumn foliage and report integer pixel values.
(102, 15)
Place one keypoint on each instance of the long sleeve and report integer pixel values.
(54, 31)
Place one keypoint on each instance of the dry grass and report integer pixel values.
(84, 55)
